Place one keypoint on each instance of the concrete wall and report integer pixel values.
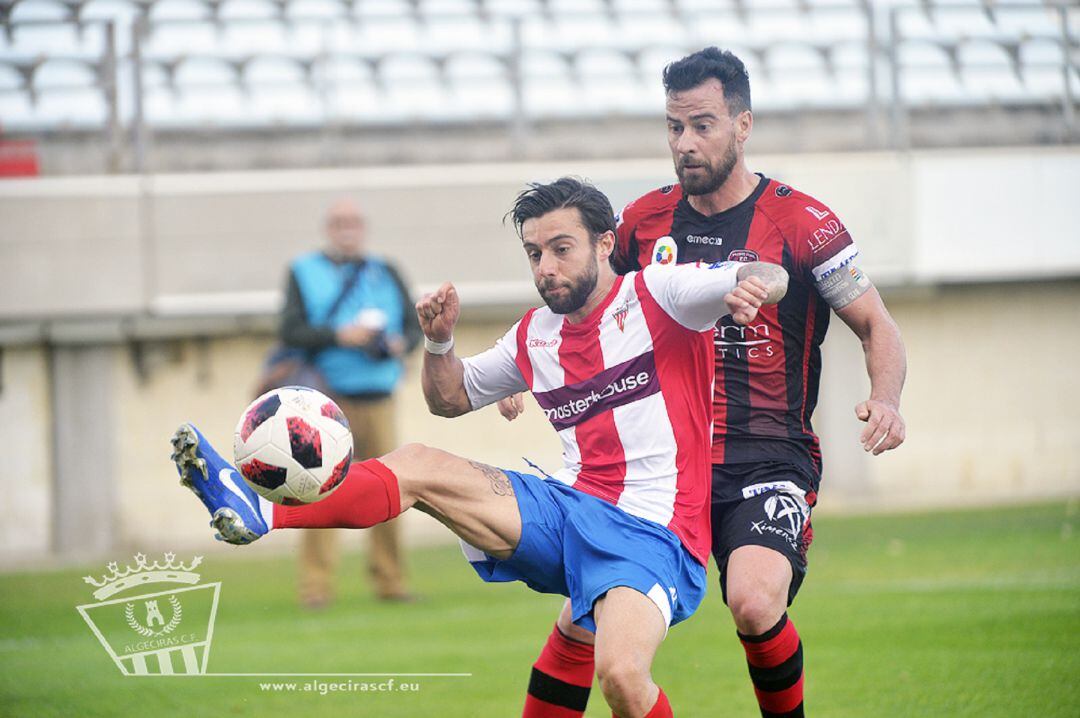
(166, 244)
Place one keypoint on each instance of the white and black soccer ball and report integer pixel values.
(293, 445)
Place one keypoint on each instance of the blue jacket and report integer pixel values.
(349, 370)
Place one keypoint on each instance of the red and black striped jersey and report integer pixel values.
(767, 373)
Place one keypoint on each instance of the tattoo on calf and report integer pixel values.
(500, 482)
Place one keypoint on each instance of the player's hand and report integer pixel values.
(355, 335)
(743, 301)
(511, 407)
(438, 313)
(885, 428)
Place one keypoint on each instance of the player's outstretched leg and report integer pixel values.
(238, 513)
(473, 500)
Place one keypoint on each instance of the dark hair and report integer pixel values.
(540, 199)
(692, 70)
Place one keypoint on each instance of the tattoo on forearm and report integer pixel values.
(500, 482)
(844, 286)
(774, 276)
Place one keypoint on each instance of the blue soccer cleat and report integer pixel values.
(233, 506)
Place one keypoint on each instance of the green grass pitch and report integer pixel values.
(973, 613)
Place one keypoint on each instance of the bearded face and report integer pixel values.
(699, 174)
(567, 295)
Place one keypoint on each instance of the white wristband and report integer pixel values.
(438, 348)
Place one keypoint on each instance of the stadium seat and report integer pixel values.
(412, 87)
(179, 10)
(383, 9)
(389, 34)
(929, 75)
(41, 10)
(988, 72)
(315, 9)
(589, 31)
(799, 77)
(287, 104)
(610, 82)
(16, 112)
(480, 86)
(75, 108)
(123, 12)
(461, 32)
(550, 89)
(645, 29)
(32, 40)
(248, 9)
(169, 39)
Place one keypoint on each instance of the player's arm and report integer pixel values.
(442, 376)
(857, 302)
(697, 295)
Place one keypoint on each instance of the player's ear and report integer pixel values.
(744, 125)
(605, 246)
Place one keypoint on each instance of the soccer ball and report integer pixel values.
(293, 445)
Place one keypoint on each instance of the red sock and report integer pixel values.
(369, 495)
(776, 669)
(561, 679)
(660, 709)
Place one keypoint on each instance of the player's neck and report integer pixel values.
(739, 185)
(604, 282)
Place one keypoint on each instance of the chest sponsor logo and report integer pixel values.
(666, 251)
(735, 341)
(824, 234)
(703, 239)
(819, 214)
(783, 190)
(535, 343)
(742, 255)
(615, 386)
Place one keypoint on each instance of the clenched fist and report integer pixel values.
(438, 313)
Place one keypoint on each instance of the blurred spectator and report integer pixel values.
(352, 315)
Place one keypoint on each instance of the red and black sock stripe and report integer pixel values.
(775, 659)
(561, 679)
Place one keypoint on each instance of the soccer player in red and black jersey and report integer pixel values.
(766, 457)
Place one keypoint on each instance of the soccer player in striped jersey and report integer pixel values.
(765, 454)
(622, 366)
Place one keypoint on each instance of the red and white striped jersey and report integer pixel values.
(628, 389)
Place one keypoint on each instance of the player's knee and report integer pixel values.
(756, 609)
(622, 680)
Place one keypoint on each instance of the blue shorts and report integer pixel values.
(579, 546)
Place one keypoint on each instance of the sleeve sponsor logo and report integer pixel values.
(742, 255)
(615, 386)
(838, 261)
(825, 234)
(819, 214)
(666, 251)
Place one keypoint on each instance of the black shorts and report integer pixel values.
(766, 504)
